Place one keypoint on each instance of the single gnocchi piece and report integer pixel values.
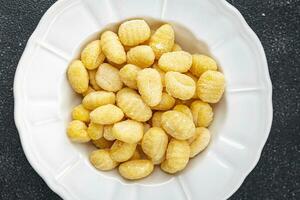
(133, 106)
(178, 125)
(92, 77)
(78, 76)
(180, 85)
(202, 113)
(150, 86)
(202, 63)
(167, 102)
(107, 114)
(185, 110)
(195, 80)
(101, 160)
(136, 169)
(176, 47)
(128, 131)
(107, 133)
(112, 47)
(92, 55)
(141, 56)
(177, 156)
(121, 151)
(88, 91)
(102, 143)
(162, 41)
(154, 144)
(80, 113)
(128, 75)
(134, 32)
(161, 73)
(77, 132)
(97, 99)
(156, 119)
(95, 131)
(199, 142)
(107, 77)
(177, 61)
(211, 86)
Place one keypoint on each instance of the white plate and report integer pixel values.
(43, 99)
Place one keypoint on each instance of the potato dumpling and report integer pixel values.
(121, 151)
(80, 113)
(134, 32)
(185, 110)
(167, 102)
(154, 144)
(136, 169)
(150, 86)
(107, 114)
(95, 131)
(162, 41)
(202, 63)
(133, 106)
(177, 61)
(112, 47)
(102, 143)
(180, 85)
(92, 55)
(128, 75)
(202, 113)
(142, 56)
(177, 156)
(161, 73)
(178, 125)
(199, 142)
(78, 76)
(195, 80)
(101, 160)
(211, 86)
(98, 98)
(156, 119)
(88, 91)
(107, 133)
(128, 131)
(77, 131)
(107, 77)
(92, 77)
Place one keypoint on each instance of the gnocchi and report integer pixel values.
(199, 142)
(166, 103)
(128, 131)
(141, 56)
(107, 133)
(202, 63)
(107, 77)
(107, 114)
(177, 61)
(102, 143)
(78, 76)
(77, 132)
(92, 55)
(128, 75)
(136, 169)
(95, 131)
(121, 151)
(101, 159)
(202, 113)
(99, 98)
(80, 113)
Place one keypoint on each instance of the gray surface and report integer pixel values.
(276, 176)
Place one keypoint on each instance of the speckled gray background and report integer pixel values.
(276, 22)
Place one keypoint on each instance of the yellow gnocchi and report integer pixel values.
(211, 86)
(107, 133)
(77, 132)
(202, 113)
(80, 113)
(112, 47)
(199, 142)
(134, 32)
(107, 114)
(202, 63)
(177, 156)
(128, 131)
(78, 76)
(121, 151)
(180, 85)
(128, 75)
(162, 41)
(167, 102)
(101, 160)
(102, 143)
(177, 61)
(133, 106)
(177, 124)
(142, 56)
(161, 73)
(156, 119)
(92, 55)
(150, 86)
(136, 169)
(195, 80)
(185, 110)
(92, 77)
(95, 131)
(176, 47)
(154, 144)
(98, 98)
(88, 91)
(107, 77)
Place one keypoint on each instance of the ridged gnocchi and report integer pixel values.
(107, 133)
(121, 151)
(98, 98)
(80, 113)
(211, 86)
(95, 131)
(101, 159)
(92, 55)
(199, 142)
(156, 119)
(202, 113)
(202, 63)
(128, 131)
(136, 169)
(77, 131)
(107, 77)
(167, 102)
(185, 110)
(180, 85)
(78, 76)
(92, 77)
(102, 143)
(128, 75)
(107, 114)
(150, 86)
(177, 61)
(142, 56)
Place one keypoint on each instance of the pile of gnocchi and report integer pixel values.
(146, 101)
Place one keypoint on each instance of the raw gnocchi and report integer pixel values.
(78, 76)
(107, 114)
(92, 55)
(177, 61)
(107, 77)
(142, 56)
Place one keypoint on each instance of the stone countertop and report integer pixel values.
(276, 176)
